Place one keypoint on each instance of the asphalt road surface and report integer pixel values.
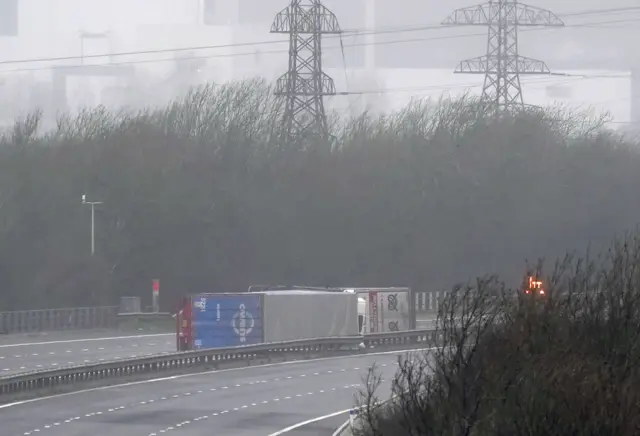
(255, 401)
(21, 354)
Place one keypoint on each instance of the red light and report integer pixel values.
(541, 291)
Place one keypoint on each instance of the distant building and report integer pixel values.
(236, 32)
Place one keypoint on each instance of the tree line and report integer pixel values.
(565, 363)
(203, 195)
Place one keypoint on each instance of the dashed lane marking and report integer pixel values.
(70, 341)
(237, 409)
(212, 372)
(24, 364)
(188, 394)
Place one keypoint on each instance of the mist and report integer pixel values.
(164, 111)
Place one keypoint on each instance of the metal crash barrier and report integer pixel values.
(76, 318)
(39, 382)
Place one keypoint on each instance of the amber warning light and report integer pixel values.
(535, 286)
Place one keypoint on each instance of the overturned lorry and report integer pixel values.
(385, 310)
(268, 313)
(380, 310)
(225, 320)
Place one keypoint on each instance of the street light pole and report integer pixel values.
(93, 221)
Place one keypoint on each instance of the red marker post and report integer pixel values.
(155, 288)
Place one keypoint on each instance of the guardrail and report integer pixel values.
(73, 318)
(36, 382)
(84, 318)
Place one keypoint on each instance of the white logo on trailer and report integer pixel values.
(200, 303)
(242, 323)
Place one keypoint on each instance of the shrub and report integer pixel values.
(568, 365)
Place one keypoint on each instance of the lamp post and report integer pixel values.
(93, 221)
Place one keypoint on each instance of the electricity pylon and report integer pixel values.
(502, 65)
(304, 85)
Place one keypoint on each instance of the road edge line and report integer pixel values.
(309, 421)
(69, 341)
(175, 377)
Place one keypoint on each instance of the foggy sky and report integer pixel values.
(601, 46)
(52, 29)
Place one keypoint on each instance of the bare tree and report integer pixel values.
(203, 193)
(564, 363)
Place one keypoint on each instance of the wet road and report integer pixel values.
(20, 354)
(239, 402)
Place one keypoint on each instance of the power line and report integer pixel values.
(529, 83)
(469, 85)
(602, 11)
(227, 55)
(354, 32)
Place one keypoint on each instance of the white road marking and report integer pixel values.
(211, 372)
(25, 366)
(240, 408)
(309, 421)
(69, 341)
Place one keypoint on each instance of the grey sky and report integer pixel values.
(592, 46)
(51, 28)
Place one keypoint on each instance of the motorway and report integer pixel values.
(254, 401)
(55, 350)
(20, 354)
